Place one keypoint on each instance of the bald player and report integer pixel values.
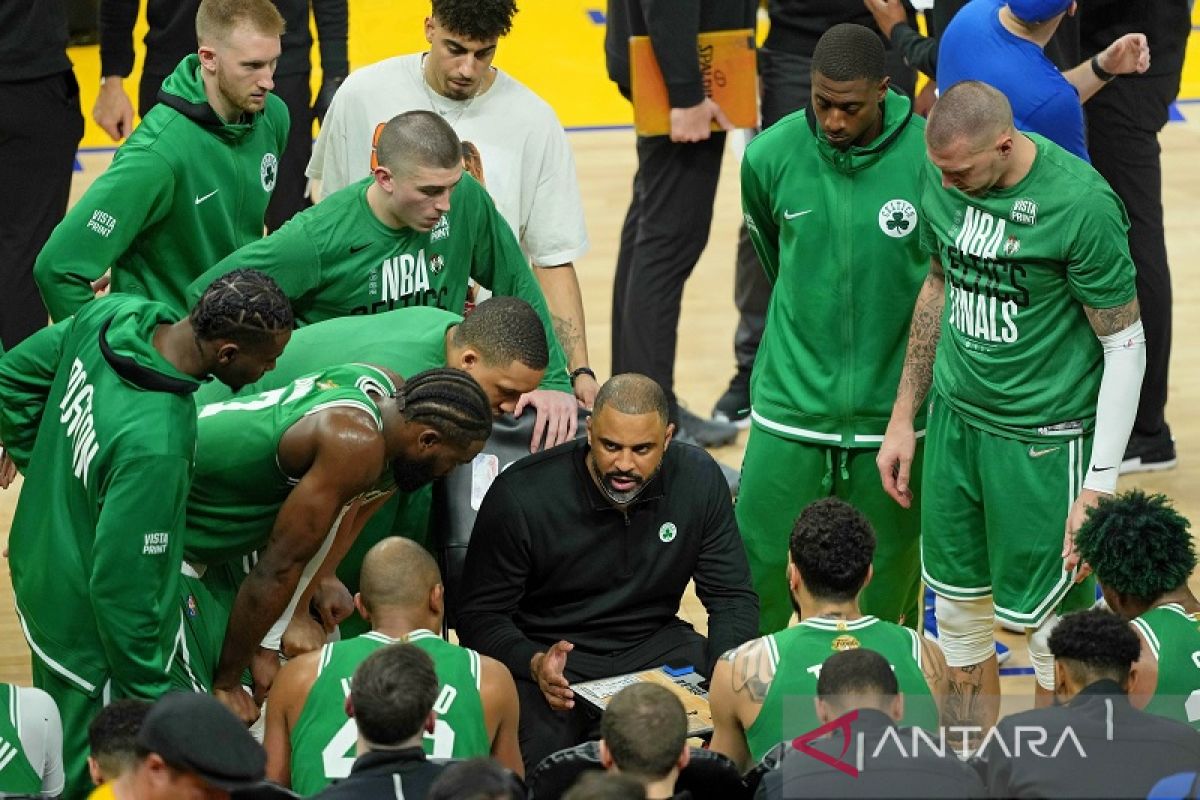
(1031, 310)
(309, 739)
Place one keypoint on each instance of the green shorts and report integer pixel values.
(994, 515)
(780, 477)
(205, 604)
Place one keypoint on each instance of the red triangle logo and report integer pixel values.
(842, 723)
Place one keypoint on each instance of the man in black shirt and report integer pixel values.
(586, 550)
(864, 754)
(1096, 744)
(40, 127)
(391, 699)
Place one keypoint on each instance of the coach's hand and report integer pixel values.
(238, 701)
(557, 417)
(547, 669)
(1087, 500)
(895, 460)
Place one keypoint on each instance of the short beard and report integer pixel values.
(619, 498)
(411, 475)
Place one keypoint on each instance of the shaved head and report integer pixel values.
(632, 393)
(397, 573)
(970, 110)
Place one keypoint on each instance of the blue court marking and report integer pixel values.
(78, 166)
(1175, 115)
(1016, 670)
(596, 16)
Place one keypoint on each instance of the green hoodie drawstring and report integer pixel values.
(843, 469)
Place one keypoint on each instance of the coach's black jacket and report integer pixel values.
(1126, 751)
(550, 558)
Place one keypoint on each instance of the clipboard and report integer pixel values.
(727, 66)
(687, 688)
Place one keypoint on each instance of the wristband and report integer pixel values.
(575, 373)
(1100, 73)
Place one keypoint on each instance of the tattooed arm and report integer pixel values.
(560, 285)
(900, 441)
(1107, 321)
(739, 685)
(933, 667)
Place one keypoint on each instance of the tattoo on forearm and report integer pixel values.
(752, 672)
(568, 335)
(923, 335)
(1107, 321)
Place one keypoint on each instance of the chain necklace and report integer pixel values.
(463, 105)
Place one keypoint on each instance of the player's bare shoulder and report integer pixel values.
(751, 669)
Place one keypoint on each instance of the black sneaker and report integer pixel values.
(704, 432)
(734, 405)
(1149, 453)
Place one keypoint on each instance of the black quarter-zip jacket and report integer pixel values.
(550, 558)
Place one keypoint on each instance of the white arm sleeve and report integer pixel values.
(41, 737)
(1116, 405)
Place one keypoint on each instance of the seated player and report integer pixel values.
(392, 698)
(861, 703)
(1092, 742)
(31, 736)
(643, 734)
(580, 555)
(112, 737)
(754, 689)
(278, 475)
(309, 740)
(1141, 551)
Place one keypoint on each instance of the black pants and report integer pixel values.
(786, 80)
(288, 198)
(665, 231)
(1123, 121)
(544, 730)
(40, 128)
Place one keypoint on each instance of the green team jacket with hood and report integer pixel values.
(185, 190)
(104, 430)
(837, 235)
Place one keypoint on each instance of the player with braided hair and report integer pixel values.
(284, 482)
(1141, 551)
(97, 412)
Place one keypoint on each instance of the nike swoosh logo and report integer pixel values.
(790, 215)
(1036, 453)
(357, 247)
(200, 200)
(1101, 469)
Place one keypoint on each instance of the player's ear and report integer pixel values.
(883, 87)
(208, 58)
(670, 432)
(226, 353)
(430, 722)
(685, 755)
(468, 359)
(429, 29)
(870, 575)
(361, 606)
(606, 759)
(429, 438)
(437, 599)
(349, 706)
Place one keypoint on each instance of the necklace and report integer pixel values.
(461, 105)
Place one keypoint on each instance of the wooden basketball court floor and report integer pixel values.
(556, 48)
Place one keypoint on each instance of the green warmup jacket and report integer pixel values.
(837, 235)
(338, 259)
(184, 191)
(104, 430)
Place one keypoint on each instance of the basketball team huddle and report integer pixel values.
(229, 460)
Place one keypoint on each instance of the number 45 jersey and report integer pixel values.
(323, 739)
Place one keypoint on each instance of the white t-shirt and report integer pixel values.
(528, 166)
